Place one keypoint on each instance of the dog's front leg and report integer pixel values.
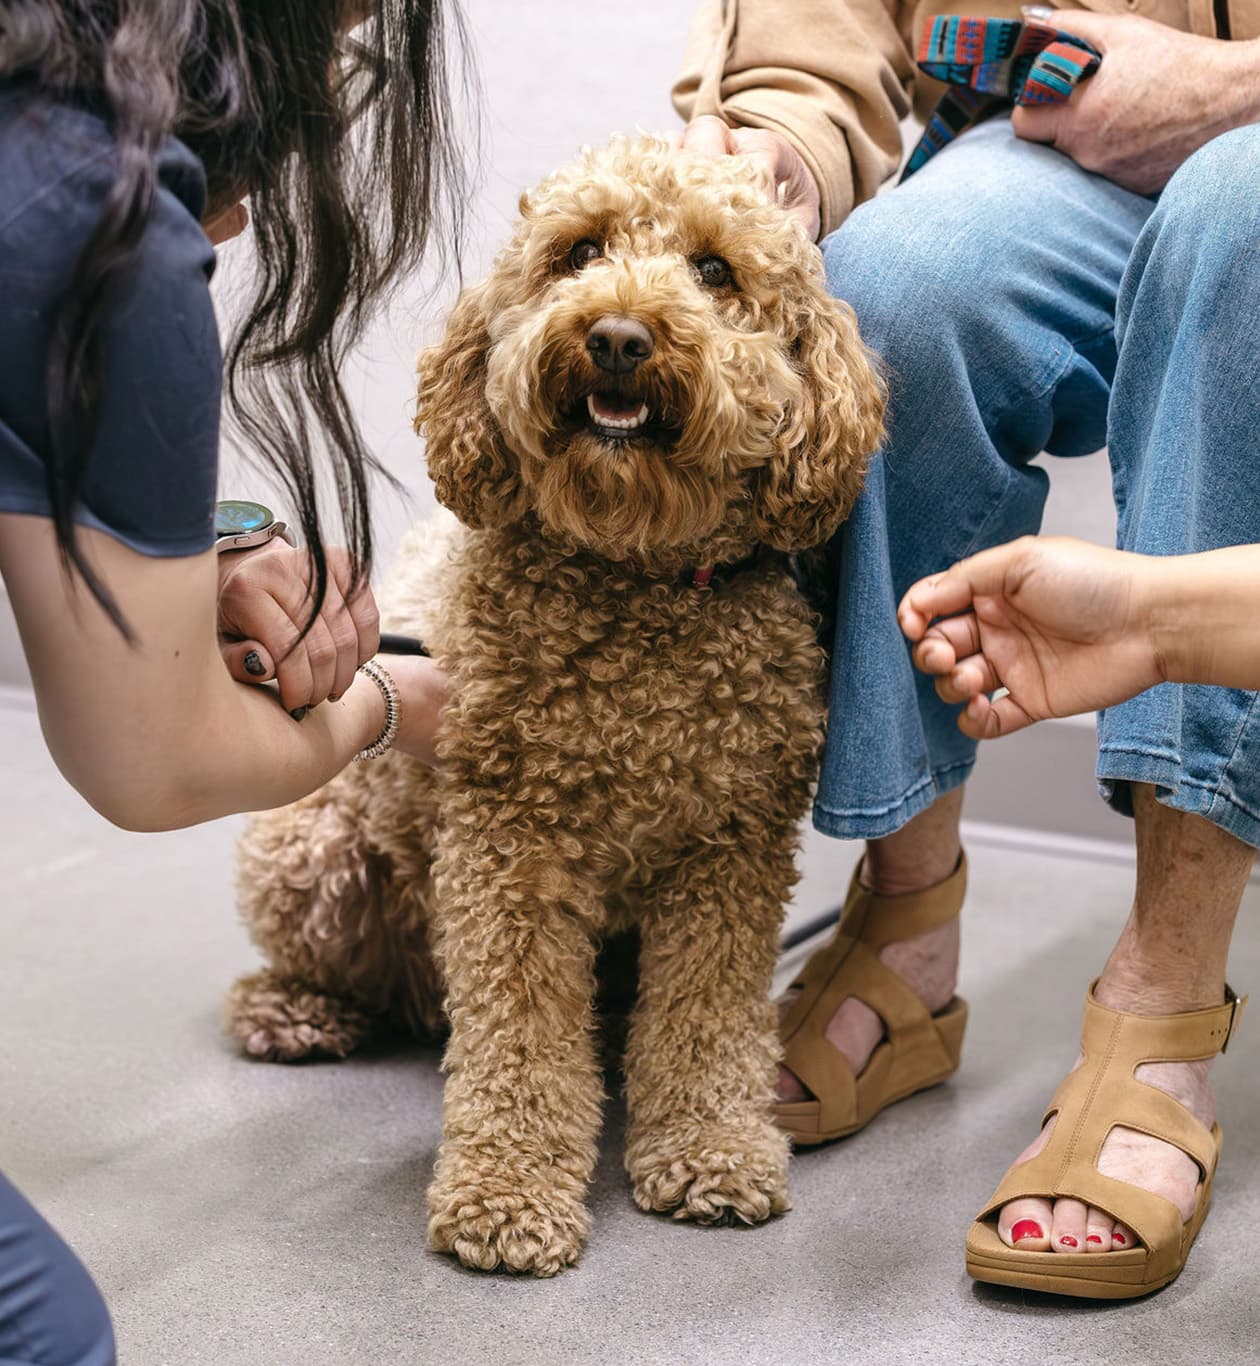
(523, 1091)
(700, 1063)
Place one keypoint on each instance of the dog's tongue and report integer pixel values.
(610, 408)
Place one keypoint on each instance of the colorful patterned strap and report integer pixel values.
(994, 63)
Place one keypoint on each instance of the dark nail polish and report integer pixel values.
(334, 697)
(254, 665)
(299, 712)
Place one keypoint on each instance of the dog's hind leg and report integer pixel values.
(335, 891)
(700, 1061)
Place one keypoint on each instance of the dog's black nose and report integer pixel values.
(618, 344)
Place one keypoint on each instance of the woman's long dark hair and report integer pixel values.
(342, 143)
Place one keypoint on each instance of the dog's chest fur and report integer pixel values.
(628, 715)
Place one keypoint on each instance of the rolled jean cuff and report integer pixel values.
(1118, 768)
(873, 823)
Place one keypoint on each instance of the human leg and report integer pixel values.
(1182, 760)
(51, 1313)
(1168, 964)
(988, 286)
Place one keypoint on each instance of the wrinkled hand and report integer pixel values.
(775, 156)
(264, 600)
(1158, 96)
(1062, 625)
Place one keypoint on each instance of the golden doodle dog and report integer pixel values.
(648, 402)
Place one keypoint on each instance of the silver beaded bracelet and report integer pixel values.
(393, 710)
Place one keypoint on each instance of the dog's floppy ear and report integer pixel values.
(806, 490)
(474, 473)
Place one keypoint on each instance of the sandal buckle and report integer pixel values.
(1237, 1005)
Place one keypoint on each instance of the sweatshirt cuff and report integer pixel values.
(822, 146)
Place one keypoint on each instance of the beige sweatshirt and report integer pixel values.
(836, 77)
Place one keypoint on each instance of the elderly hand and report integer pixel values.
(264, 600)
(1158, 96)
(782, 164)
(1064, 626)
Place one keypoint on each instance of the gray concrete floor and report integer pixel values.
(241, 1214)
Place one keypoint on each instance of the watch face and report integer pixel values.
(234, 517)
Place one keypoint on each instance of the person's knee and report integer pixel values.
(1210, 204)
(1196, 256)
(916, 294)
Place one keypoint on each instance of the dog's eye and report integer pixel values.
(713, 271)
(584, 253)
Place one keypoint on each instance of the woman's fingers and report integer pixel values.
(986, 718)
(939, 595)
(248, 661)
(264, 601)
(946, 642)
(363, 617)
(314, 661)
(342, 638)
(969, 676)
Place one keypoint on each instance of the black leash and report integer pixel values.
(402, 645)
(808, 930)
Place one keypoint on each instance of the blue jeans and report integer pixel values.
(1021, 304)
(51, 1314)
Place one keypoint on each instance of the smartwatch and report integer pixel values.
(241, 525)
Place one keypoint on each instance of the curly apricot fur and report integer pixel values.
(621, 748)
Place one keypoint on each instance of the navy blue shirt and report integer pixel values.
(152, 469)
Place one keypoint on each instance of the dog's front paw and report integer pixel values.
(491, 1224)
(712, 1178)
(278, 1020)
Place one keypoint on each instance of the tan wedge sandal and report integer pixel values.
(919, 1049)
(1091, 1101)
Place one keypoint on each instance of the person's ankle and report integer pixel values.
(900, 878)
(1132, 984)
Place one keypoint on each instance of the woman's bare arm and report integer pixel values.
(156, 734)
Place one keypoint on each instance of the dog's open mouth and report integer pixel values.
(611, 413)
(622, 417)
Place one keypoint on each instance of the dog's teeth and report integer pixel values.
(621, 424)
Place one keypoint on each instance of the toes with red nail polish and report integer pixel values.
(1026, 1228)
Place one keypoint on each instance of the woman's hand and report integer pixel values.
(1063, 626)
(423, 690)
(709, 136)
(264, 600)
